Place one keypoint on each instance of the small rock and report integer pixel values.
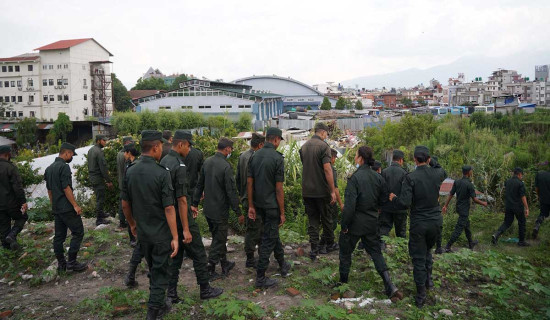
(288, 248)
(206, 242)
(57, 308)
(102, 226)
(292, 292)
(349, 305)
(11, 283)
(95, 274)
(372, 311)
(88, 244)
(446, 312)
(335, 296)
(296, 263)
(230, 249)
(67, 282)
(349, 294)
(4, 280)
(384, 302)
(27, 276)
(26, 295)
(300, 252)
(6, 314)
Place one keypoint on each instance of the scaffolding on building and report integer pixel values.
(102, 93)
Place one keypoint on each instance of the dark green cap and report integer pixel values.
(398, 154)
(184, 135)
(100, 137)
(271, 131)
(466, 168)
(518, 170)
(421, 150)
(321, 126)
(68, 146)
(127, 139)
(377, 165)
(151, 135)
(5, 149)
(129, 146)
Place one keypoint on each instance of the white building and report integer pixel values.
(70, 76)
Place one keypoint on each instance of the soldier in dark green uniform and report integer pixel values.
(148, 197)
(266, 174)
(333, 208)
(365, 192)
(434, 164)
(516, 206)
(13, 203)
(318, 189)
(166, 143)
(188, 231)
(254, 228)
(542, 186)
(217, 181)
(377, 167)
(464, 190)
(391, 215)
(66, 211)
(420, 192)
(99, 177)
(193, 161)
(120, 169)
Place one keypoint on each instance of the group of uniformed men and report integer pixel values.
(161, 192)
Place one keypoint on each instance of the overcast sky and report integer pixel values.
(311, 41)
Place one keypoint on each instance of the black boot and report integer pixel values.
(429, 280)
(332, 247)
(448, 248)
(523, 243)
(344, 277)
(75, 265)
(262, 281)
(439, 250)
(11, 238)
(420, 297)
(472, 244)
(172, 294)
(212, 271)
(208, 292)
(536, 230)
(251, 262)
(152, 313)
(391, 290)
(61, 263)
(227, 266)
(284, 268)
(314, 251)
(130, 280)
(494, 238)
(101, 220)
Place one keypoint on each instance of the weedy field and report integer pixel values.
(491, 282)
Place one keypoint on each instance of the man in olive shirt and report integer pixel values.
(420, 192)
(391, 214)
(516, 206)
(120, 169)
(254, 228)
(318, 188)
(99, 176)
(333, 208)
(13, 203)
(464, 190)
(266, 174)
(148, 201)
(542, 186)
(66, 211)
(217, 181)
(189, 236)
(167, 143)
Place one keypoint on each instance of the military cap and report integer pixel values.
(151, 135)
(68, 146)
(274, 132)
(127, 139)
(129, 146)
(100, 137)
(5, 149)
(421, 150)
(466, 168)
(184, 135)
(333, 152)
(321, 126)
(398, 154)
(518, 170)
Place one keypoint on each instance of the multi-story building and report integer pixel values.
(70, 76)
(542, 73)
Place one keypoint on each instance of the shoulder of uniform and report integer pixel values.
(281, 154)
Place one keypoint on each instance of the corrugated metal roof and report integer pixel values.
(5, 141)
(19, 58)
(65, 44)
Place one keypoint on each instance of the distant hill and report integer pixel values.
(471, 66)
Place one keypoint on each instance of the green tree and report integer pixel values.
(341, 103)
(26, 131)
(422, 102)
(126, 123)
(406, 102)
(349, 104)
(147, 120)
(61, 127)
(179, 79)
(190, 120)
(5, 107)
(167, 121)
(121, 97)
(358, 105)
(244, 123)
(150, 84)
(325, 105)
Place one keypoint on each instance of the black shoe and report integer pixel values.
(251, 262)
(208, 292)
(494, 238)
(420, 298)
(133, 243)
(429, 280)
(439, 250)
(264, 282)
(448, 248)
(172, 295)
(123, 225)
(61, 263)
(284, 268)
(212, 274)
(130, 279)
(523, 244)
(472, 244)
(74, 265)
(152, 313)
(13, 243)
(333, 247)
(226, 267)
(322, 250)
(100, 221)
(344, 278)
(391, 290)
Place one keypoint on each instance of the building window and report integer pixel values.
(1, 84)
(52, 98)
(65, 82)
(12, 84)
(85, 97)
(165, 108)
(30, 83)
(83, 67)
(248, 106)
(45, 67)
(31, 98)
(1, 99)
(32, 114)
(187, 107)
(65, 66)
(50, 66)
(6, 84)
(19, 83)
(50, 82)
(83, 82)
(45, 82)
(58, 66)
(4, 69)
(7, 99)
(226, 107)
(59, 97)
(17, 69)
(10, 68)
(20, 114)
(13, 114)
(19, 98)
(45, 98)
(59, 82)
(66, 97)
(12, 98)
(29, 67)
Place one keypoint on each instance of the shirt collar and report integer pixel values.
(395, 164)
(59, 159)
(175, 154)
(269, 145)
(219, 154)
(422, 167)
(147, 158)
(315, 137)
